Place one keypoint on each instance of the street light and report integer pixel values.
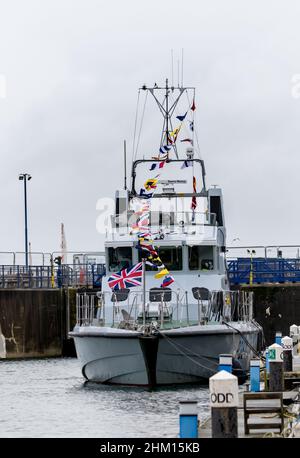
(25, 177)
(252, 252)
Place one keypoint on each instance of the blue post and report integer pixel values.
(255, 375)
(188, 419)
(225, 363)
(278, 338)
(267, 362)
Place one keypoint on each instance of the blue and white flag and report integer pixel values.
(145, 194)
(164, 149)
(181, 118)
(157, 165)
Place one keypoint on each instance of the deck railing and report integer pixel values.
(175, 220)
(168, 309)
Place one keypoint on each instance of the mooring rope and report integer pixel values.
(185, 354)
(244, 339)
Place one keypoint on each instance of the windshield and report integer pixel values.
(201, 258)
(119, 258)
(170, 256)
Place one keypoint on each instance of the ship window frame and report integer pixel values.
(159, 248)
(112, 250)
(205, 263)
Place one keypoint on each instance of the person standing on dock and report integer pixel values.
(57, 261)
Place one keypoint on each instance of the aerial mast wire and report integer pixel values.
(166, 107)
(125, 171)
(172, 67)
(182, 67)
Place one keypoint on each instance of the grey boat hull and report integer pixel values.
(177, 356)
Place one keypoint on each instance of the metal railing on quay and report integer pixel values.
(52, 276)
(263, 270)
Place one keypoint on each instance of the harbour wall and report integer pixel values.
(34, 322)
(276, 307)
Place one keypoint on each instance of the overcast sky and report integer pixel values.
(72, 70)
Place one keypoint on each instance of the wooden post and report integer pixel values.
(287, 345)
(225, 363)
(223, 388)
(255, 375)
(188, 419)
(276, 380)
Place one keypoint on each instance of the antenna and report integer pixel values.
(182, 67)
(178, 71)
(125, 172)
(167, 112)
(172, 67)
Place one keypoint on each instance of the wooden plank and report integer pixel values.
(263, 395)
(264, 423)
(255, 410)
(264, 426)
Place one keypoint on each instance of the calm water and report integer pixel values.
(48, 398)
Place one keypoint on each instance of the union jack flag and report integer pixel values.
(126, 278)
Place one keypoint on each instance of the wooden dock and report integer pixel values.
(268, 414)
(288, 396)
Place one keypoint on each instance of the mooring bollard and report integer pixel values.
(255, 375)
(294, 334)
(188, 419)
(278, 337)
(225, 363)
(287, 345)
(224, 399)
(276, 379)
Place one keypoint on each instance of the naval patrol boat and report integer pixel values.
(165, 311)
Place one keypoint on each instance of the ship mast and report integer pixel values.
(166, 108)
(167, 115)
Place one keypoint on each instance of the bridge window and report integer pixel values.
(201, 258)
(171, 257)
(119, 258)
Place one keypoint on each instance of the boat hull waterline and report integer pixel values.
(176, 356)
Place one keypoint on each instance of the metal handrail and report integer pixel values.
(263, 270)
(47, 257)
(221, 306)
(55, 276)
(266, 250)
(172, 219)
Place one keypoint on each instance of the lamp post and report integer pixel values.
(25, 177)
(252, 252)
